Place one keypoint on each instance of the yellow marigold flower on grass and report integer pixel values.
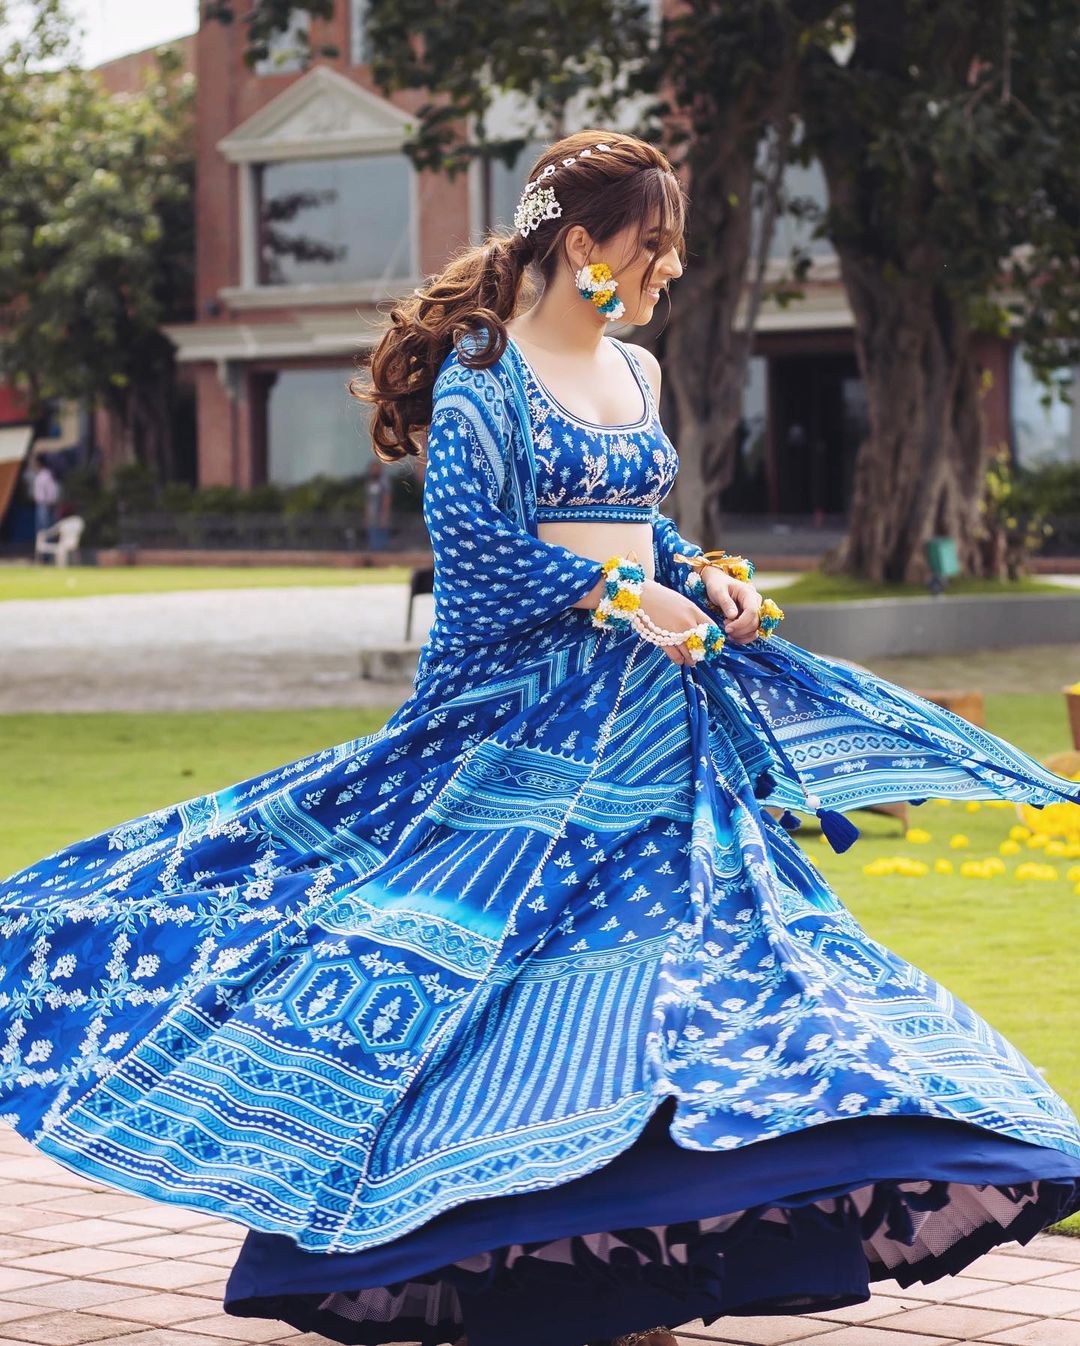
(972, 806)
(918, 835)
(1073, 874)
(942, 803)
(1019, 832)
(1031, 869)
(896, 864)
(1057, 848)
(943, 866)
(982, 869)
(958, 841)
(1009, 848)
(1037, 841)
(882, 865)
(997, 804)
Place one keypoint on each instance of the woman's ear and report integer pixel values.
(578, 245)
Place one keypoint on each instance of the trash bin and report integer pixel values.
(943, 560)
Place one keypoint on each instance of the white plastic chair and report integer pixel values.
(59, 541)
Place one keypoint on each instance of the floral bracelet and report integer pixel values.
(620, 609)
(770, 614)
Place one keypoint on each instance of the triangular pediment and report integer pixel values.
(323, 112)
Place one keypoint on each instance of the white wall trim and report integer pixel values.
(217, 343)
(290, 296)
(323, 113)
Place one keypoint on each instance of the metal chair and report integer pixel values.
(422, 582)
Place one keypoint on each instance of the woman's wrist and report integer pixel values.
(593, 597)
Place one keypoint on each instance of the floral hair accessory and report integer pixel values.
(538, 201)
(537, 204)
(595, 282)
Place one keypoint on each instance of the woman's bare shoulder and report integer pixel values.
(649, 363)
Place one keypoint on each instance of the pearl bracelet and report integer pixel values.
(620, 609)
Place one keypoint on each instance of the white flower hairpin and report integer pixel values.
(539, 202)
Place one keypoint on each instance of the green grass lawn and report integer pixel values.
(26, 581)
(814, 587)
(1003, 945)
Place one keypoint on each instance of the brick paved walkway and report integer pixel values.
(79, 1263)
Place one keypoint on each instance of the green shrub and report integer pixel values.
(133, 490)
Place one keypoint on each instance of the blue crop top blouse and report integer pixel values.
(584, 471)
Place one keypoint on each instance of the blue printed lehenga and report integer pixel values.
(524, 1015)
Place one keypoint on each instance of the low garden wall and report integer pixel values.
(874, 627)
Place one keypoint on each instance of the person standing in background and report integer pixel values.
(377, 506)
(46, 492)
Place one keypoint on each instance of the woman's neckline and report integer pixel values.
(639, 424)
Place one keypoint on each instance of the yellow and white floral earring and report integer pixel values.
(595, 283)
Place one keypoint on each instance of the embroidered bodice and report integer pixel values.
(604, 472)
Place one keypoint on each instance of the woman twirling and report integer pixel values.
(522, 1018)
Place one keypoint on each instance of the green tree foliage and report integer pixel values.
(947, 135)
(96, 232)
(946, 132)
(264, 20)
(708, 83)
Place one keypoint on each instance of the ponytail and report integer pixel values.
(476, 294)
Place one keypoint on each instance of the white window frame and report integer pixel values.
(340, 119)
(358, 10)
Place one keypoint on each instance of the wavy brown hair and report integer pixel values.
(480, 288)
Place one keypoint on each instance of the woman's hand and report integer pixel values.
(674, 612)
(737, 601)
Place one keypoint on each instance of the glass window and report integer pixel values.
(315, 427)
(323, 221)
(357, 36)
(1042, 434)
(806, 193)
(287, 49)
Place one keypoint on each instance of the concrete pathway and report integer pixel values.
(202, 650)
(81, 1263)
(292, 648)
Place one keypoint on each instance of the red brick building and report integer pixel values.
(311, 221)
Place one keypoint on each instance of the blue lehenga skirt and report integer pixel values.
(523, 1014)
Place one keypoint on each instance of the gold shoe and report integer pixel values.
(654, 1336)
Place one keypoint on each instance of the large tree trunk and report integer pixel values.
(920, 472)
(705, 355)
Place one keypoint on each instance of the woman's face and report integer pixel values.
(629, 255)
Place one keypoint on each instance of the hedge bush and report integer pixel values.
(133, 489)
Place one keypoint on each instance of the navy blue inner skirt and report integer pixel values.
(815, 1259)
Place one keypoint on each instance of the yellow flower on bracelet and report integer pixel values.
(770, 615)
(738, 567)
